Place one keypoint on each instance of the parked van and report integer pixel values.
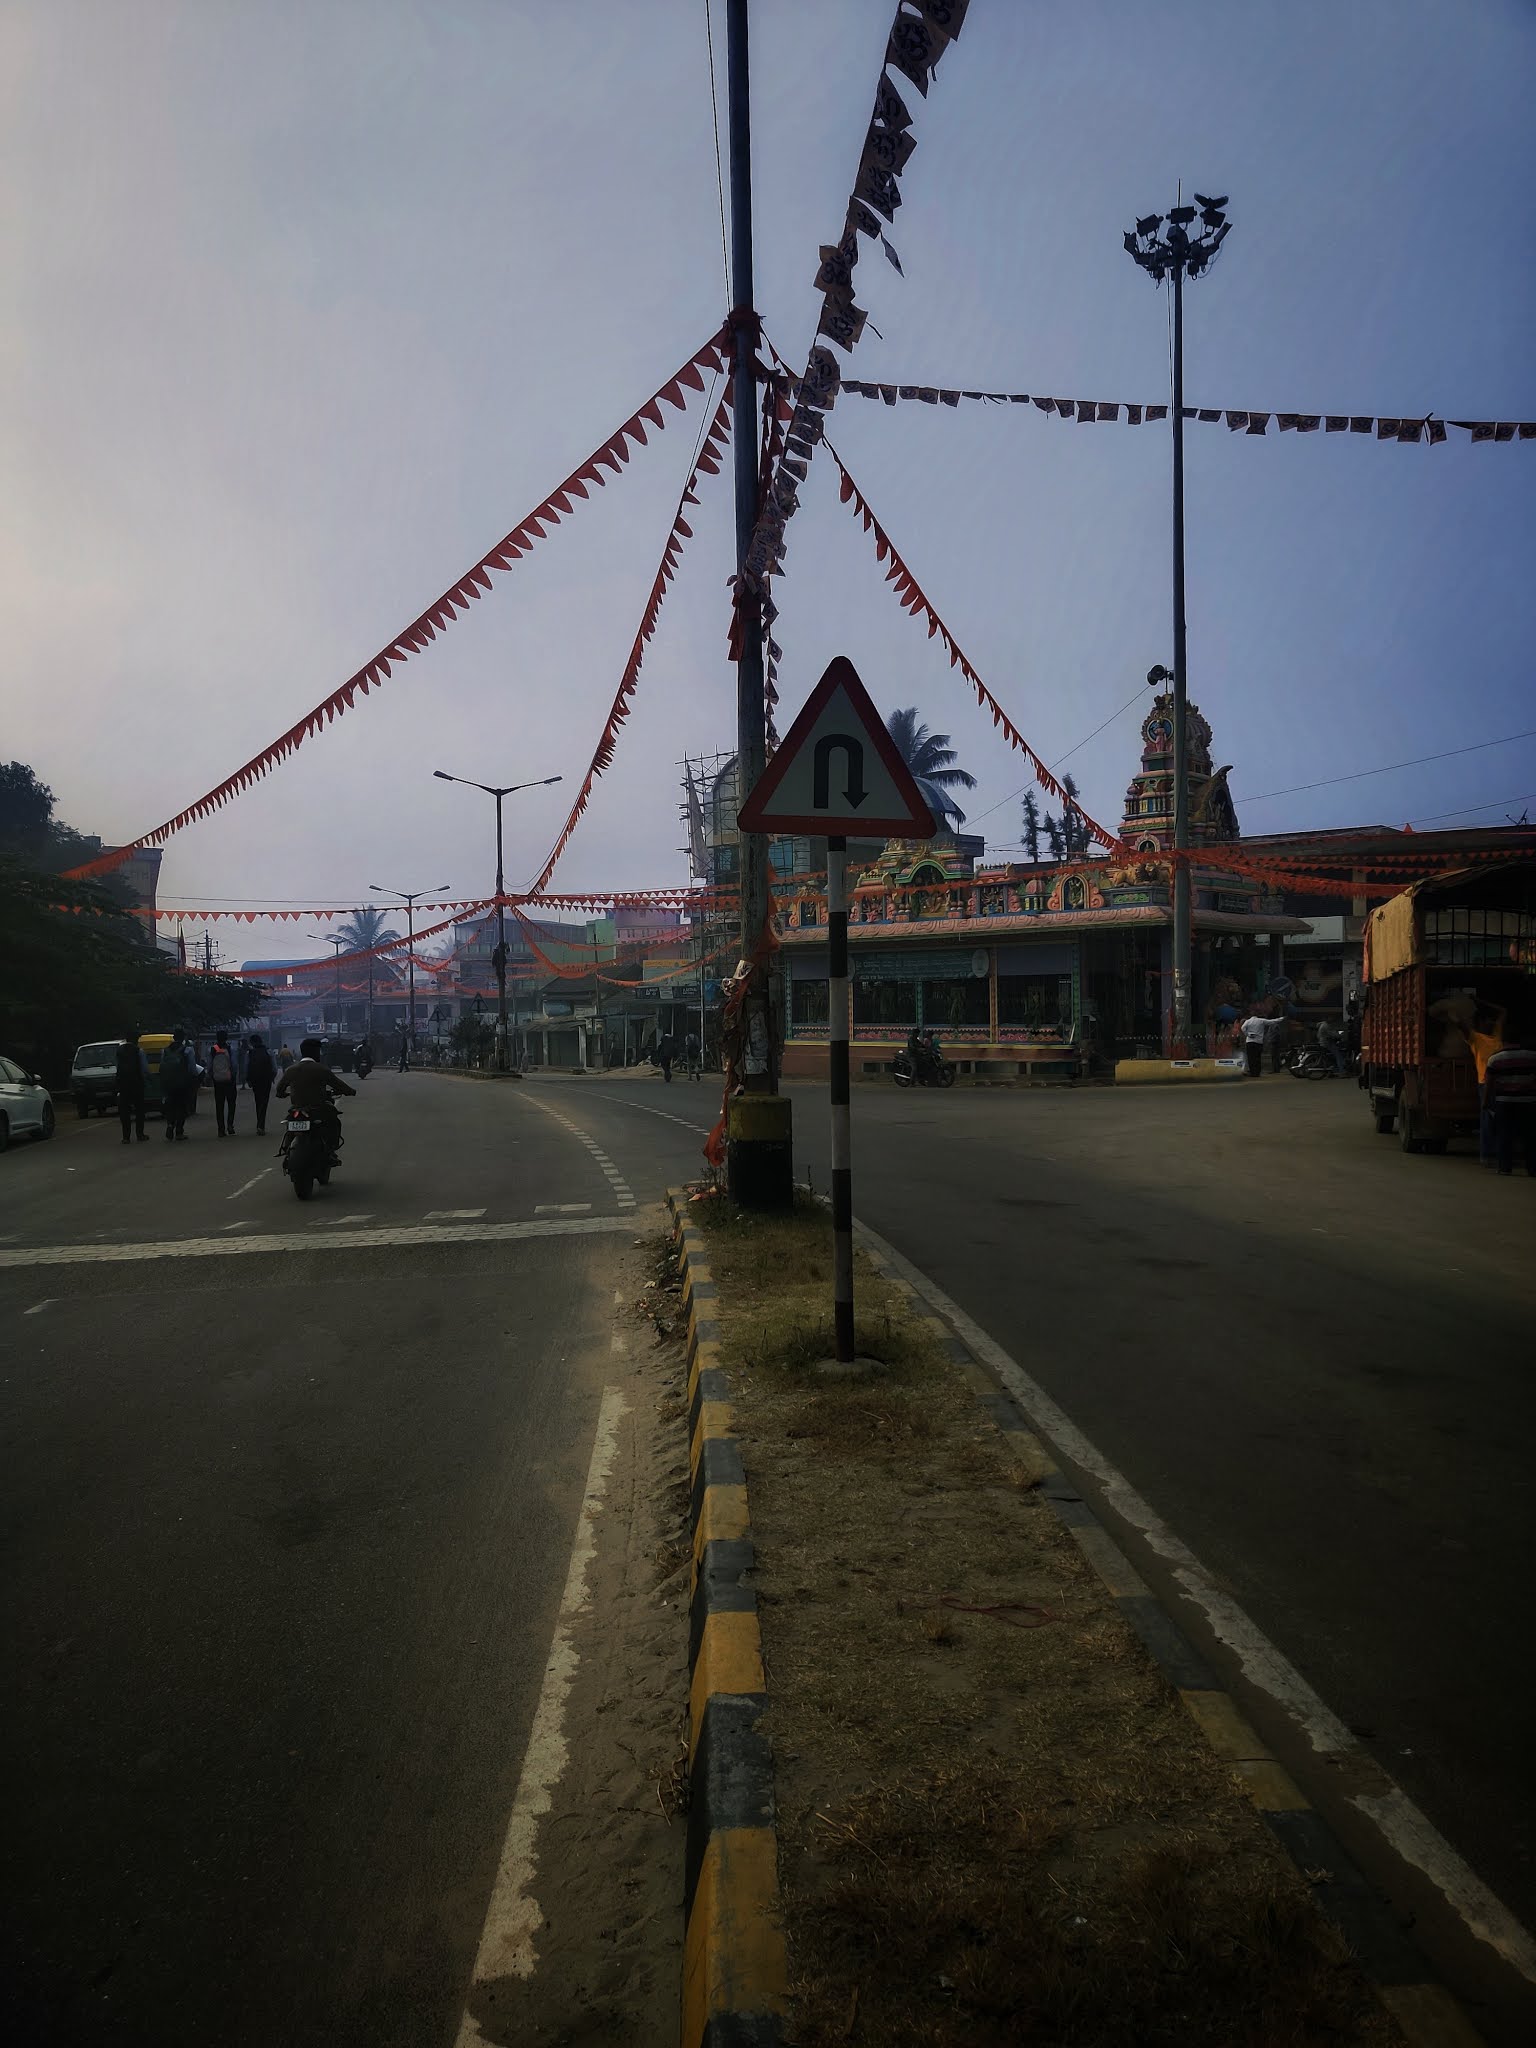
(93, 1076)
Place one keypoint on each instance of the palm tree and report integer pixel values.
(365, 929)
(931, 760)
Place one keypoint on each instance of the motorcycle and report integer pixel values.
(934, 1073)
(305, 1155)
(1316, 1063)
(363, 1064)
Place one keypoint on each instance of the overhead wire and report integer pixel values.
(1054, 765)
(714, 108)
(1391, 768)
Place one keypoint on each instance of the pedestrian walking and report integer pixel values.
(666, 1053)
(1255, 1030)
(693, 1056)
(178, 1086)
(221, 1071)
(285, 1057)
(132, 1081)
(260, 1072)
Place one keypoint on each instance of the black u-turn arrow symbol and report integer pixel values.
(854, 791)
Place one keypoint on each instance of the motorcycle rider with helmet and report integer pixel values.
(312, 1086)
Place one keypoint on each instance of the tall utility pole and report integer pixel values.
(409, 897)
(1164, 247)
(751, 711)
(758, 1135)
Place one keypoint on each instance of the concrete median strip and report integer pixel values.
(735, 1968)
(741, 1912)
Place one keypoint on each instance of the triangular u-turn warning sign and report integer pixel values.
(838, 771)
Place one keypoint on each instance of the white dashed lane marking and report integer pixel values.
(562, 1208)
(665, 1114)
(454, 1215)
(621, 1189)
(381, 1237)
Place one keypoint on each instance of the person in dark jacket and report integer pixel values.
(132, 1080)
(666, 1053)
(178, 1085)
(260, 1072)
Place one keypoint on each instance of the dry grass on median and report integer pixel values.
(997, 1823)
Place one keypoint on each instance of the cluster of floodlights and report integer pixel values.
(1164, 242)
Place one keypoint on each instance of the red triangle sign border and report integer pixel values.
(758, 814)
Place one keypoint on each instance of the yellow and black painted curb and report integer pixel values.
(1426, 2013)
(735, 1967)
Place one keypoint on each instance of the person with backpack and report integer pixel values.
(260, 1072)
(221, 1071)
(178, 1085)
(132, 1080)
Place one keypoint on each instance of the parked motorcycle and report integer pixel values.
(1316, 1063)
(937, 1073)
(305, 1155)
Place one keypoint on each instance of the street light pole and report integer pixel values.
(409, 898)
(499, 958)
(327, 940)
(1167, 251)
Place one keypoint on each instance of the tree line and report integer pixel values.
(76, 965)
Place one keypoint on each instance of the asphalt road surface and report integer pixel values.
(285, 1528)
(285, 1535)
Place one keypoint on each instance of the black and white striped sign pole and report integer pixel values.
(842, 1148)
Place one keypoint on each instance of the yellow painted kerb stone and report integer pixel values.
(733, 1952)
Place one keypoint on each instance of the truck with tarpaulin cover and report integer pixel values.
(1452, 955)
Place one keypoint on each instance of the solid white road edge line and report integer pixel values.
(38, 1307)
(1409, 1831)
(248, 1186)
(514, 1917)
(318, 1241)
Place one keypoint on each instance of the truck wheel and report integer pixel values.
(1385, 1119)
(1408, 1130)
(82, 1109)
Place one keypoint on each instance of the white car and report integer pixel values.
(26, 1108)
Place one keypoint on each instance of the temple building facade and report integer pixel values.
(1038, 971)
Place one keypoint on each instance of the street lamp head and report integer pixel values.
(1159, 243)
(551, 778)
(443, 777)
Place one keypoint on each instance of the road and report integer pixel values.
(285, 1537)
(282, 1600)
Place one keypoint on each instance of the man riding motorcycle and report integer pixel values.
(311, 1085)
(924, 1049)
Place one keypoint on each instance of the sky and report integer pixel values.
(308, 303)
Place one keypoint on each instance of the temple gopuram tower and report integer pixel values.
(1148, 821)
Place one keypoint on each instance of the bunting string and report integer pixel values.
(920, 33)
(1429, 429)
(708, 461)
(913, 599)
(612, 455)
